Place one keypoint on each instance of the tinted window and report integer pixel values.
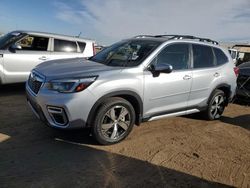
(126, 53)
(221, 58)
(203, 56)
(10, 38)
(64, 46)
(81, 45)
(176, 55)
(34, 43)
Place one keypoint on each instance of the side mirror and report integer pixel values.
(162, 68)
(15, 47)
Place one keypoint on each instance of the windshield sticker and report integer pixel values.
(15, 34)
(134, 56)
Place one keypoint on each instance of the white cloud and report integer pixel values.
(67, 13)
(117, 19)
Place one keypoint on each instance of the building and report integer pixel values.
(243, 51)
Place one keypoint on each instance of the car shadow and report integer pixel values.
(241, 121)
(196, 116)
(48, 162)
(12, 89)
(241, 101)
(81, 136)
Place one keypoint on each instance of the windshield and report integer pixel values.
(8, 39)
(126, 53)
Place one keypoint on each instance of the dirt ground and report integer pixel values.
(174, 152)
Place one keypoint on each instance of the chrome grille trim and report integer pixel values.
(35, 82)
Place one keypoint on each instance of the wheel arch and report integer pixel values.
(130, 96)
(226, 88)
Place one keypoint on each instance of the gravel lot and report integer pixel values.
(174, 152)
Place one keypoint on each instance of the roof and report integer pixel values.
(242, 48)
(242, 45)
(54, 35)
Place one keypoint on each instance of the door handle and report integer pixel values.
(42, 58)
(1, 55)
(187, 77)
(216, 74)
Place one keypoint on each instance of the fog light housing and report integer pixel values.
(58, 115)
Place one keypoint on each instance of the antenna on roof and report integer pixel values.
(78, 36)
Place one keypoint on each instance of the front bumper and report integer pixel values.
(64, 111)
(36, 109)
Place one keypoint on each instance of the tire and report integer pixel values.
(113, 122)
(216, 105)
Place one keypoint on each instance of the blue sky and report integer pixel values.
(36, 15)
(107, 21)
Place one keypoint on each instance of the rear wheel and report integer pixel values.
(114, 121)
(216, 105)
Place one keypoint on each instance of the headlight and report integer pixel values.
(70, 86)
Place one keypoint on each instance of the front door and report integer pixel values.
(18, 63)
(168, 92)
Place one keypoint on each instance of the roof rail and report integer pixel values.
(143, 36)
(180, 37)
(189, 37)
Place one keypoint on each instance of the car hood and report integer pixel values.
(72, 68)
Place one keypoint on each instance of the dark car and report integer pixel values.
(243, 82)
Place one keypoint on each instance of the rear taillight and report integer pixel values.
(236, 71)
(93, 46)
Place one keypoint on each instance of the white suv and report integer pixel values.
(21, 51)
(140, 79)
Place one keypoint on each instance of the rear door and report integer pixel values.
(64, 49)
(206, 75)
(19, 63)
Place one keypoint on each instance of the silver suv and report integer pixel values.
(140, 79)
(21, 51)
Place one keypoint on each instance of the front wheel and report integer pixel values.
(216, 105)
(114, 121)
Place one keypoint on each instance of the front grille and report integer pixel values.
(35, 82)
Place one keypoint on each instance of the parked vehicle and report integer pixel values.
(243, 53)
(243, 82)
(21, 51)
(234, 54)
(140, 79)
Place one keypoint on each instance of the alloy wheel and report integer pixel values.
(217, 106)
(115, 122)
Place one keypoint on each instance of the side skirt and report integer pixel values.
(191, 111)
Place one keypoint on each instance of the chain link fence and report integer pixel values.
(243, 90)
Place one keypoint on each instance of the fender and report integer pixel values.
(227, 92)
(131, 96)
